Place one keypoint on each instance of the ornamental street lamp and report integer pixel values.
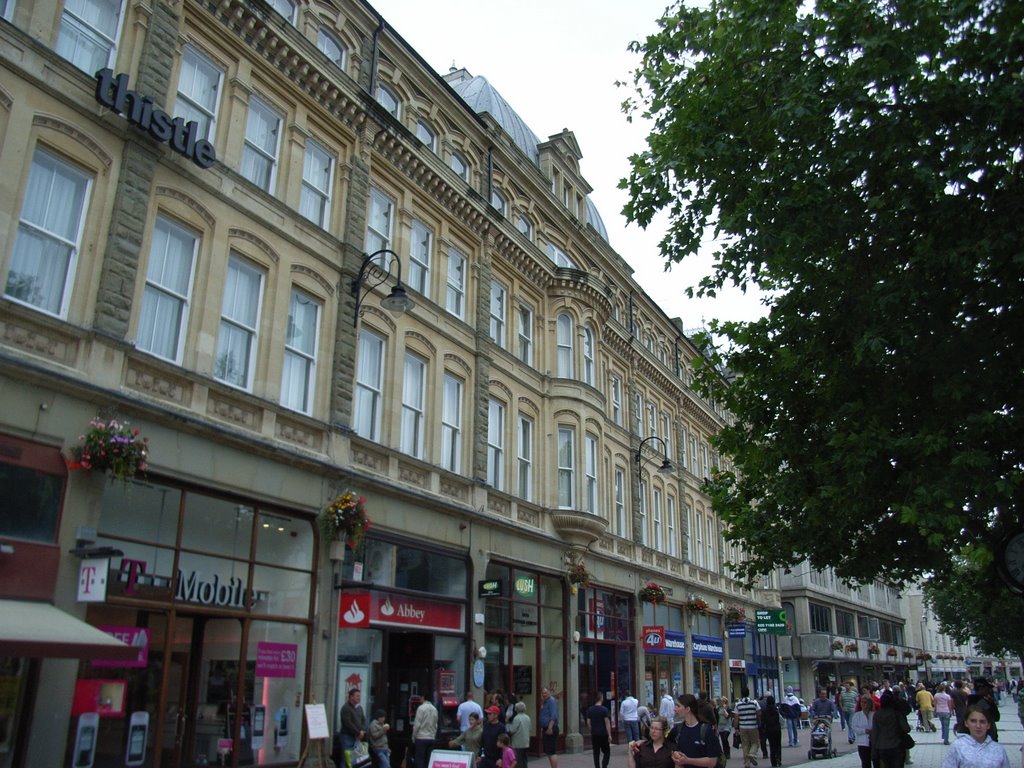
(666, 467)
(372, 274)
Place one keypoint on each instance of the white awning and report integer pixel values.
(41, 630)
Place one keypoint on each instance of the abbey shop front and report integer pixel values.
(216, 594)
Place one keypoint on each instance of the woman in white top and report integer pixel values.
(862, 729)
(975, 749)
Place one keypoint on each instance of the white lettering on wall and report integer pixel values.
(195, 589)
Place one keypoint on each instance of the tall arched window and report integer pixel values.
(588, 355)
(564, 333)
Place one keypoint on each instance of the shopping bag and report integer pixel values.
(358, 756)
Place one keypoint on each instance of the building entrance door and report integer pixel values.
(207, 700)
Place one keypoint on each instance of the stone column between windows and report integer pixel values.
(482, 274)
(130, 211)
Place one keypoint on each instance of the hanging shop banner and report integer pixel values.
(653, 638)
(674, 645)
(383, 609)
(705, 647)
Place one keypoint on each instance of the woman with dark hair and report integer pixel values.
(772, 730)
(696, 740)
(887, 728)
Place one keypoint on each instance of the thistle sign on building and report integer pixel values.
(139, 110)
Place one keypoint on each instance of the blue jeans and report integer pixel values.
(383, 758)
(632, 730)
(944, 719)
(792, 724)
(848, 714)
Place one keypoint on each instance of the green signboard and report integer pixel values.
(525, 586)
(771, 622)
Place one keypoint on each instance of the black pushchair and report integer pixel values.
(821, 739)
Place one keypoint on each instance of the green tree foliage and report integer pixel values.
(971, 603)
(859, 160)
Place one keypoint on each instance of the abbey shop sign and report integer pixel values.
(139, 110)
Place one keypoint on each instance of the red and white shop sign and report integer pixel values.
(354, 609)
(399, 611)
(654, 637)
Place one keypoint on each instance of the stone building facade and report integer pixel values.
(197, 197)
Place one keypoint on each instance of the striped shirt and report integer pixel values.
(746, 711)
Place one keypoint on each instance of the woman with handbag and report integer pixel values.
(724, 715)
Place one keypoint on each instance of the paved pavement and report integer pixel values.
(928, 753)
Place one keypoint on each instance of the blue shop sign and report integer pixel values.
(705, 647)
(675, 644)
(737, 630)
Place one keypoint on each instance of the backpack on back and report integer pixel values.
(705, 729)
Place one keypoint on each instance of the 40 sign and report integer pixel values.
(771, 622)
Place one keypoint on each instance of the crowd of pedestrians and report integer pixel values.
(693, 730)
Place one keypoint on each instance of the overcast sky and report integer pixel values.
(556, 62)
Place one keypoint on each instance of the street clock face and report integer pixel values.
(1011, 561)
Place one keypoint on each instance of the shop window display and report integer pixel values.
(221, 679)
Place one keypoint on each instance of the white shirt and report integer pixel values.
(668, 708)
(463, 712)
(628, 709)
(965, 752)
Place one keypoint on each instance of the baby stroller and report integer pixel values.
(821, 739)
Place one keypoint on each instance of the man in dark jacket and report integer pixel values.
(490, 752)
(353, 720)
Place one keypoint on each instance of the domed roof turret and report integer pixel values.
(482, 97)
(479, 94)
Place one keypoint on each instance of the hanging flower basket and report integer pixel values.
(892, 653)
(345, 517)
(837, 646)
(734, 614)
(851, 647)
(696, 605)
(924, 657)
(652, 593)
(908, 654)
(873, 650)
(578, 576)
(110, 446)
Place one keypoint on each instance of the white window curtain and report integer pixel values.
(413, 387)
(46, 248)
(88, 31)
(168, 290)
(366, 408)
(563, 334)
(419, 257)
(566, 468)
(378, 224)
(236, 344)
(317, 182)
(259, 154)
(451, 424)
(299, 369)
(198, 91)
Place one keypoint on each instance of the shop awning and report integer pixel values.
(43, 631)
